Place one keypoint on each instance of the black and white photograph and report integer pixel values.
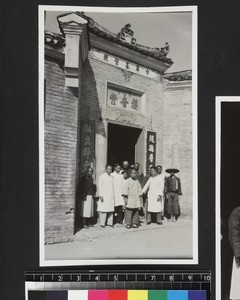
(118, 135)
(227, 200)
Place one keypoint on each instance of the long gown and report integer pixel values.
(154, 186)
(132, 189)
(106, 190)
(118, 188)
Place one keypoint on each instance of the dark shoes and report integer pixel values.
(159, 223)
(148, 223)
(119, 224)
(134, 226)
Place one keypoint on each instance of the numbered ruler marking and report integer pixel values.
(121, 277)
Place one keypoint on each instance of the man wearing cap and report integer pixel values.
(172, 190)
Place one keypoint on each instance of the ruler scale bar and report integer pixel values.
(123, 280)
(116, 277)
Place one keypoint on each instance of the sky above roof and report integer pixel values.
(150, 29)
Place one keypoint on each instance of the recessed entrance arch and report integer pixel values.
(125, 143)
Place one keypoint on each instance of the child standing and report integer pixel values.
(132, 192)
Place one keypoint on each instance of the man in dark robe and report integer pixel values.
(172, 191)
(87, 190)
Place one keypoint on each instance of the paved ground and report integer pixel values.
(171, 240)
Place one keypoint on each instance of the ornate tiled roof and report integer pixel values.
(53, 39)
(105, 33)
(97, 29)
(179, 76)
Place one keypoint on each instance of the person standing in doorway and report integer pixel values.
(118, 190)
(146, 178)
(87, 191)
(154, 188)
(132, 193)
(125, 175)
(139, 178)
(138, 171)
(106, 197)
(125, 167)
(159, 173)
(172, 191)
(144, 197)
(159, 170)
(234, 237)
(165, 214)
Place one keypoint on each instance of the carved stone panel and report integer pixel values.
(123, 99)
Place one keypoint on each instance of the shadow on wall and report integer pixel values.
(90, 104)
(89, 110)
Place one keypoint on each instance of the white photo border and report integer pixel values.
(193, 10)
(219, 100)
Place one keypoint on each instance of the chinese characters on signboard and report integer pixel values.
(125, 100)
(151, 149)
(87, 145)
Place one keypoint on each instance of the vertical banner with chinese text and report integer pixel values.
(151, 149)
(87, 145)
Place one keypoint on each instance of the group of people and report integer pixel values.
(126, 196)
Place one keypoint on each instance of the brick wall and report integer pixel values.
(167, 111)
(61, 129)
(177, 138)
(97, 75)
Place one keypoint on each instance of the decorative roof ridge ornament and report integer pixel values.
(54, 39)
(179, 75)
(127, 35)
(165, 49)
(124, 38)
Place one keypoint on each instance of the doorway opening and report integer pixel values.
(125, 143)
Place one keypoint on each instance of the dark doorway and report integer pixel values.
(123, 143)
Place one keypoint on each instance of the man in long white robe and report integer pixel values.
(154, 187)
(106, 197)
(118, 191)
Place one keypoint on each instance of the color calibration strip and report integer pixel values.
(117, 295)
(122, 280)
